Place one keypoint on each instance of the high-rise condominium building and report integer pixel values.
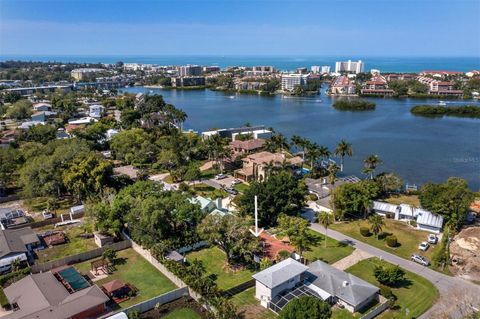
(190, 70)
(349, 66)
(290, 81)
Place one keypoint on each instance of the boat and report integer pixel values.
(231, 97)
(442, 103)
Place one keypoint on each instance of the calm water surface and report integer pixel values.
(419, 149)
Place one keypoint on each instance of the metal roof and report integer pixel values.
(429, 219)
(384, 207)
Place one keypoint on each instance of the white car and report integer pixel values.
(423, 246)
(236, 181)
(220, 176)
(432, 239)
(420, 259)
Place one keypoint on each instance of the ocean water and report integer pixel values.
(385, 64)
(419, 149)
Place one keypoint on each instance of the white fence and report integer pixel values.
(158, 300)
(377, 310)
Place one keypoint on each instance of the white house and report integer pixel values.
(289, 279)
(42, 107)
(96, 111)
(277, 279)
(428, 221)
(425, 220)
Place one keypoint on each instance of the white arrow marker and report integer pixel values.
(257, 232)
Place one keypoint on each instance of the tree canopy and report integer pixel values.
(279, 194)
(306, 307)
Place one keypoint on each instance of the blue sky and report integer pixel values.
(227, 27)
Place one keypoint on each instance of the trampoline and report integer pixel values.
(73, 278)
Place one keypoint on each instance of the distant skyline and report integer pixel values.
(226, 27)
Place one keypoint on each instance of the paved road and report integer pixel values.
(446, 285)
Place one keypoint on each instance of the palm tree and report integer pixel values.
(343, 149)
(16, 264)
(325, 218)
(376, 222)
(313, 153)
(280, 141)
(268, 169)
(370, 164)
(324, 152)
(332, 173)
(299, 142)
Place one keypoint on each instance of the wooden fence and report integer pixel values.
(49, 265)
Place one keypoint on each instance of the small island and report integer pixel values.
(472, 111)
(354, 105)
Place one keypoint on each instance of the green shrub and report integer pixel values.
(413, 223)
(392, 241)
(306, 307)
(3, 299)
(13, 276)
(386, 291)
(364, 231)
(389, 275)
(353, 105)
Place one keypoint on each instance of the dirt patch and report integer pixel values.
(465, 252)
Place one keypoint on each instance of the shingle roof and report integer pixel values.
(15, 240)
(336, 282)
(279, 273)
(42, 296)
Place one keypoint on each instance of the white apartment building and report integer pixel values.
(349, 66)
(290, 81)
(325, 69)
(315, 68)
(190, 70)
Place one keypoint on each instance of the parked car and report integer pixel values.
(236, 181)
(231, 191)
(432, 238)
(423, 246)
(420, 260)
(220, 176)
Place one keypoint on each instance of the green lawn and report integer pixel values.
(415, 298)
(75, 245)
(183, 313)
(408, 237)
(338, 313)
(214, 261)
(249, 307)
(133, 268)
(404, 199)
(205, 190)
(241, 187)
(332, 253)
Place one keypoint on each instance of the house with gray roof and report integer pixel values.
(339, 286)
(277, 285)
(43, 296)
(277, 279)
(16, 244)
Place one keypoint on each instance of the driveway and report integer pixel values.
(455, 293)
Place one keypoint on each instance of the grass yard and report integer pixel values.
(75, 245)
(214, 261)
(205, 190)
(241, 187)
(338, 313)
(184, 313)
(408, 237)
(249, 307)
(414, 299)
(332, 253)
(404, 199)
(133, 268)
